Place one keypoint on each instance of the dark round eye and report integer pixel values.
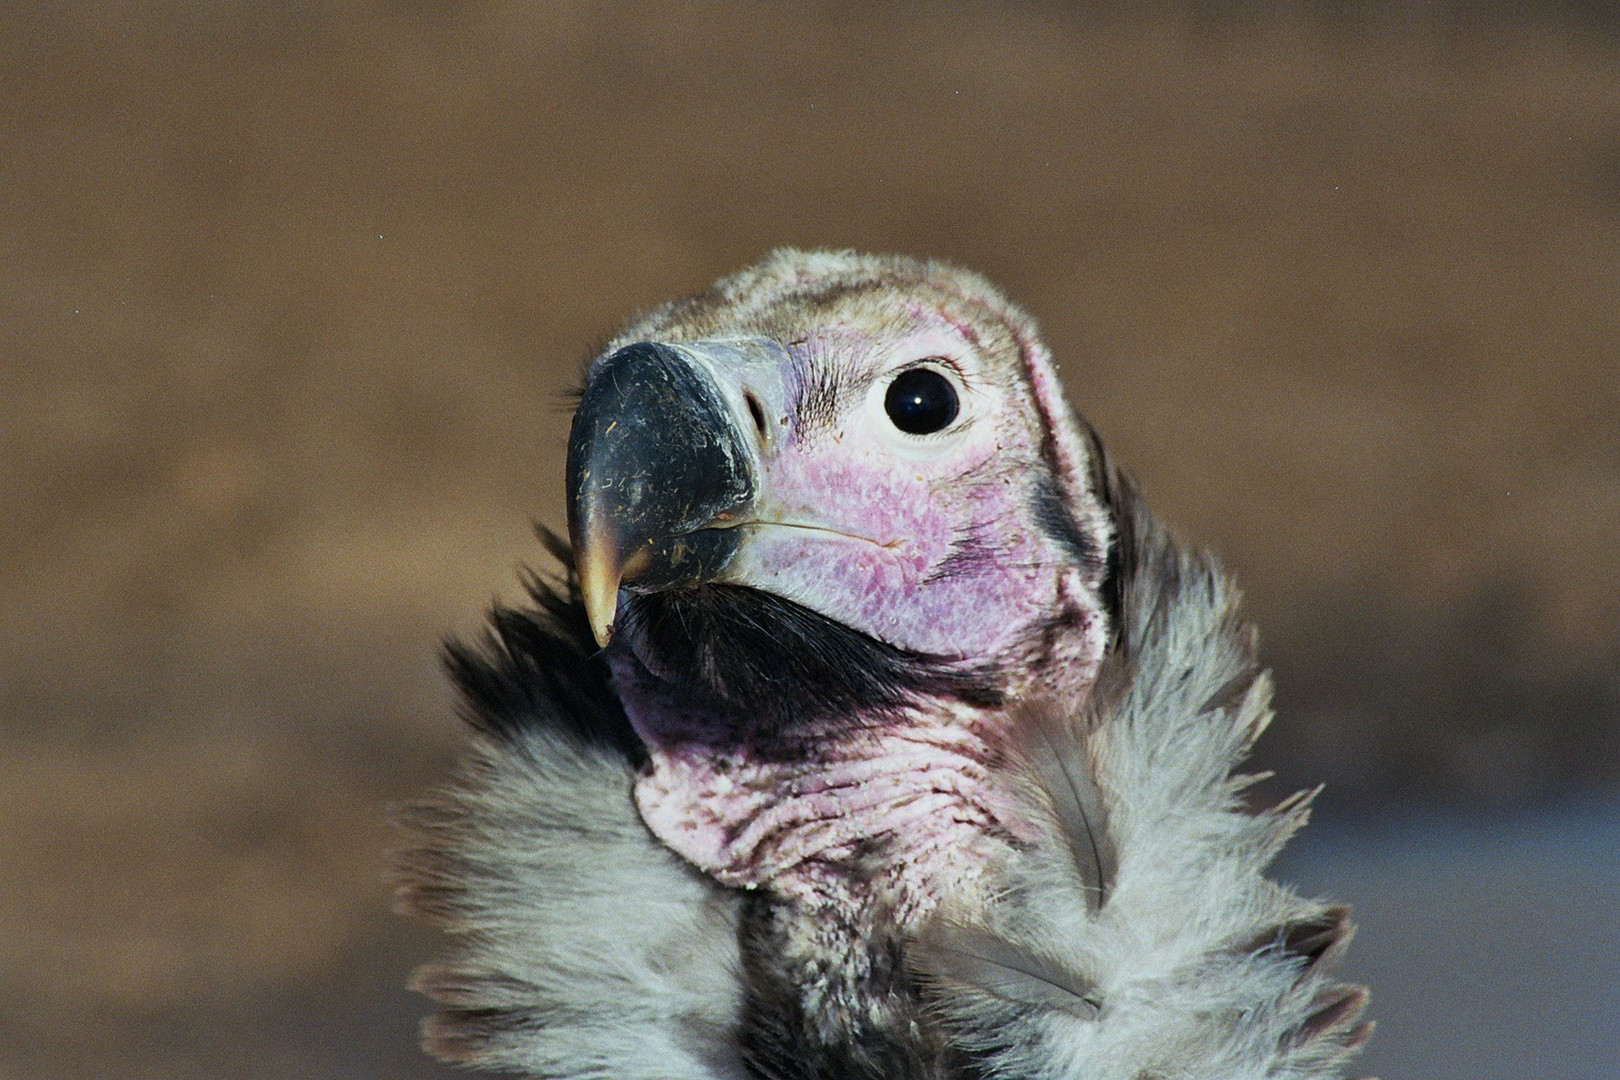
(921, 401)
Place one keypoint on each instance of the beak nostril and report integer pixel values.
(757, 412)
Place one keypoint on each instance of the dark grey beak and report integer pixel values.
(658, 465)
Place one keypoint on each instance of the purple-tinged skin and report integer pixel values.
(919, 541)
(930, 543)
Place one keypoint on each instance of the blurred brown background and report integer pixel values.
(292, 293)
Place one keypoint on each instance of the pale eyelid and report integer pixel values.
(956, 366)
(933, 360)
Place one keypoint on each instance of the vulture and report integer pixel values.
(871, 728)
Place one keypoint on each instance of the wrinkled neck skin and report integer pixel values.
(860, 815)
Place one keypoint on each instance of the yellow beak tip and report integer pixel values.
(599, 577)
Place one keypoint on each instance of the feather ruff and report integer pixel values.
(1139, 939)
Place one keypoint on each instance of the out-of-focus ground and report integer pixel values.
(290, 295)
(1489, 942)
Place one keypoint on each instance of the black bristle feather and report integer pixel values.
(1056, 520)
(783, 665)
(539, 668)
(1115, 492)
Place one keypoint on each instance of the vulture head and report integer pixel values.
(831, 519)
(876, 730)
(881, 442)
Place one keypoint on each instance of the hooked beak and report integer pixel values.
(661, 460)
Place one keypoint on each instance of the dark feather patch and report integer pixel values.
(1321, 938)
(1317, 941)
(1337, 1011)
(1119, 498)
(476, 1036)
(1053, 516)
(866, 1024)
(538, 668)
(783, 665)
(971, 553)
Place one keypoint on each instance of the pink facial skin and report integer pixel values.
(930, 543)
(926, 542)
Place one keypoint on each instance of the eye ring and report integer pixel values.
(921, 401)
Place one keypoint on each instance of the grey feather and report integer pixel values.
(1055, 755)
(954, 959)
